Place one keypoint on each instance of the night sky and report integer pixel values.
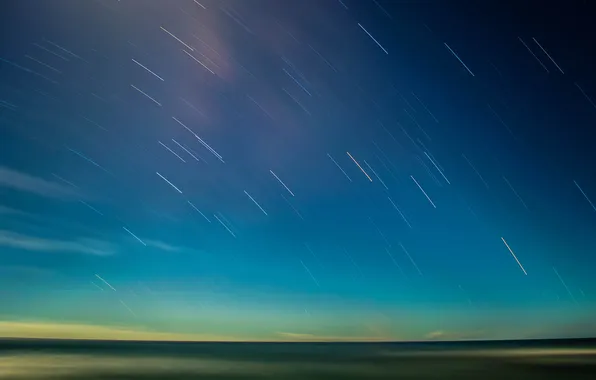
(297, 169)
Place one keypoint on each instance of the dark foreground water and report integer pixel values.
(51, 359)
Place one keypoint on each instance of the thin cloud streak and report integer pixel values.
(157, 244)
(20, 181)
(85, 246)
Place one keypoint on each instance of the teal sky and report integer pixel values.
(297, 170)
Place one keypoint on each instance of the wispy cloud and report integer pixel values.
(59, 330)
(164, 246)
(25, 182)
(86, 246)
(23, 272)
(5, 210)
(54, 330)
(299, 337)
(452, 335)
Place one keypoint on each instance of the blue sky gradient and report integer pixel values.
(297, 170)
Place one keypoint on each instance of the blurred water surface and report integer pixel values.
(51, 359)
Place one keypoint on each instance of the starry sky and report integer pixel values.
(297, 170)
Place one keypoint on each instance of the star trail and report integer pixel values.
(221, 167)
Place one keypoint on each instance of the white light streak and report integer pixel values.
(310, 274)
(548, 55)
(533, 55)
(91, 207)
(199, 62)
(375, 174)
(210, 149)
(169, 183)
(105, 282)
(585, 195)
(339, 167)
(144, 93)
(199, 211)
(515, 257)
(410, 257)
(186, 150)
(283, 184)
(564, 285)
(437, 167)
(372, 38)
(363, 171)
(176, 38)
(199, 4)
(171, 151)
(157, 76)
(223, 224)
(255, 202)
(459, 59)
(423, 192)
(400, 213)
(127, 308)
(134, 236)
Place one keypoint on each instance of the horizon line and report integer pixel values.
(305, 341)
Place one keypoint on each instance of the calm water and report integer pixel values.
(51, 359)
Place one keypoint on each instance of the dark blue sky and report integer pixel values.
(294, 170)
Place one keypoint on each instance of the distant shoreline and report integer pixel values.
(524, 342)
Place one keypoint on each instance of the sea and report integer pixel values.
(486, 360)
